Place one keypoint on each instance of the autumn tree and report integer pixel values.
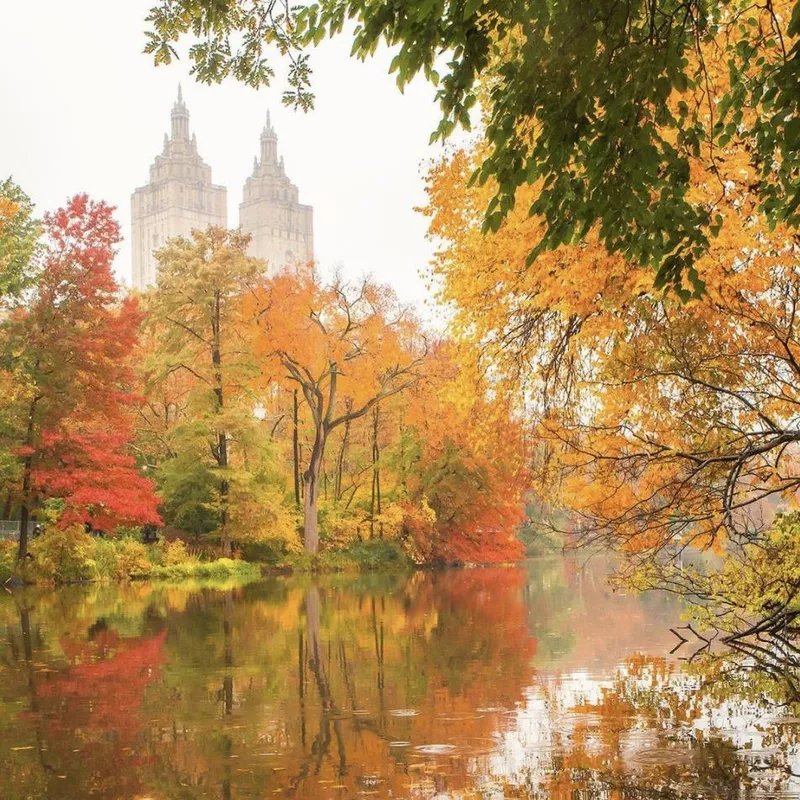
(662, 427)
(346, 347)
(19, 233)
(195, 317)
(603, 105)
(464, 455)
(67, 347)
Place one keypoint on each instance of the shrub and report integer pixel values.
(221, 568)
(339, 529)
(378, 554)
(132, 559)
(174, 553)
(64, 555)
(105, 558)
(267, 551)
(8, 559)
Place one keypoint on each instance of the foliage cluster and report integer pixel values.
(662, 425)
(71, 555)
(291, 413)
(241, 409)
(604, 106)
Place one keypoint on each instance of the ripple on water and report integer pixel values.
(458, 716)
(660, 756)
(568, 721)
(403, 712)
(468, 746)
(477, 746)
(435, 749)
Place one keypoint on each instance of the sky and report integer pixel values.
(82, 109)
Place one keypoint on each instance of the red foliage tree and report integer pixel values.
(71, 345)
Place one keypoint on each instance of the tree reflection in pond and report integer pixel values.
(533, 682)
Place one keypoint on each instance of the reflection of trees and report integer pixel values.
(763, 653)
(84, 713)
(651, 697)
(289, 688)
(329, 715)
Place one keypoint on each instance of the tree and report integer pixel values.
(347, 348)
(68, 348)
(603, 106)
(19, 234)
(198, 330)
(661, 428)
(464, 456)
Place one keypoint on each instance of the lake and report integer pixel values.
(530, 682)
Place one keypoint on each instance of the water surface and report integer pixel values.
(529, 682)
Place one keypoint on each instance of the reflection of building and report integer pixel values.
(179, 198)
(281, 228)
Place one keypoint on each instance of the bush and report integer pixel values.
(105, 558)
(378, 554)
(339, 529)
(267, 551)
(8, 559)
(374, 554)
(64, 555)
(221, 568)
(174, 553)
(132, 561)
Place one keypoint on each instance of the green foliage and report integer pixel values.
(219, 569)
(754, 588)
(375, 554)
(19, 234)
(190, 489)
(265, 551)
(605, 105)
(8, 559)
(368, 556)
(71, 555)
(64, 555)
(541, 539)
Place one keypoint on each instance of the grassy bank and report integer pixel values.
(370, 556)
(74, 556)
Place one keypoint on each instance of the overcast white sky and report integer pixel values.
(83, 110)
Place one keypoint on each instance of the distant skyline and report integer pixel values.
(89, 111)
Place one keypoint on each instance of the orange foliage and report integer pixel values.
(659, 423)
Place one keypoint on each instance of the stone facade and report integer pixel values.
(280, 226)
(180, 197)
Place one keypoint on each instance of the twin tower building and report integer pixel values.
(180, 197)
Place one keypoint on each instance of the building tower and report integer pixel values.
(178, 199)
(281, 228)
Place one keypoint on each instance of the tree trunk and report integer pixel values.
(340, 458)
(223, 494)
(296, 453)
(375, 503)
(311, 495)
(221, 449)
(27, 469)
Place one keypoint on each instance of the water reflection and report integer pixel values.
(533, 682)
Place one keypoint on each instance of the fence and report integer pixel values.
(9, 528)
